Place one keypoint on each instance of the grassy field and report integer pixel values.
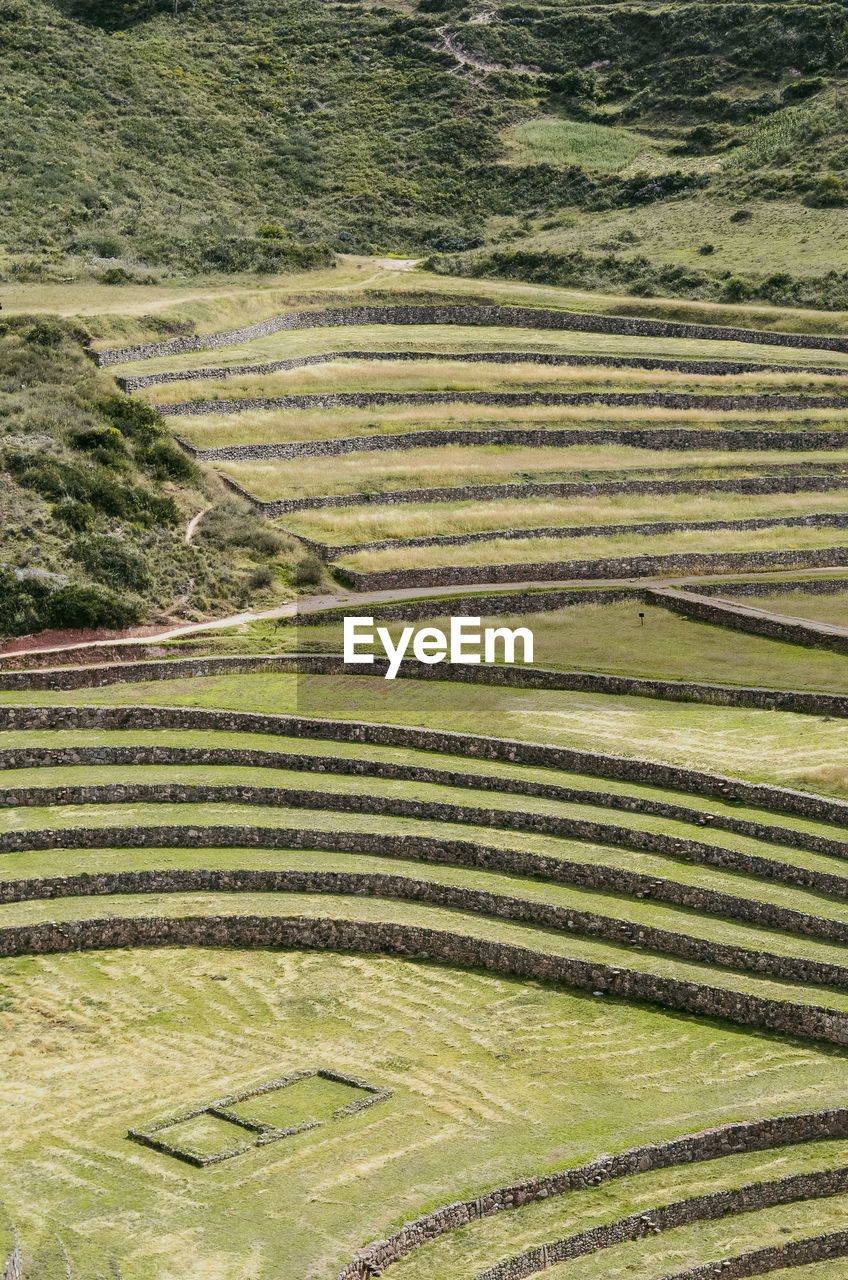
(446, 339)
(455, 465)
(98, 1043)
(152, 1033)
(443, 375)
(541, 550)
(127, 313)
(828, 607)
(350, 525)
(768, 746)
(273, 426)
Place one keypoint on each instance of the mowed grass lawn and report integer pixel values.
(611, 638)
(350, 525)
(456, 465)
(771, 746)
(445, 339)
(493, 1080)
(447, 375)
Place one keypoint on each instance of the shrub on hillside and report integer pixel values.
(308, 572)
(77, 605)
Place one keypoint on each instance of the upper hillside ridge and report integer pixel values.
(212, 138)
(506, 316)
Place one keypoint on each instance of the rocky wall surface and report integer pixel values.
(510, 317)
(684, 564)
(511, 750)
(410, 941)
(817, 520)
(678, 848)
(623, 399)
(706, 368)
(404, 888)
(680, 438)
(718, 1204)
(723, 613)
(798, 1253)
(349, 766)
(820, 482)
(444, 851)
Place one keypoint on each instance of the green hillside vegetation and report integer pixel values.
(96, 497)
(197, 138)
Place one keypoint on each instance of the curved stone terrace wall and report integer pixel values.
(799, 482)
(693, 1149)
(349, 766)
(128, 672)
(443, 851)
(510, 750)
(708, 1208)
(796, 1021)
(621, 399)
(510, 317)
(584, 924)
(781, 1257)
(677, 848)
(707, 368)
(724, 613)
(817, 520)
(528, 437)
(685, 564)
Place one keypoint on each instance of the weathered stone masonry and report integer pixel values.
(500, 906)
(677, 848)
(511, 317)
(444, 851)
(723, 613)
(706, 368)
(719, 1204)
(817, 520)
(528, 438)
(512, 750)
(623, 399)
(798, 1253)
(349, 766)
(796, 483)
(684, 564)
(380, 937)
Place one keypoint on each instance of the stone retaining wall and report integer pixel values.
(684, 564)
(678, 848)
(510, 750)
(622, 399)
(693, 1149)
(706, 368)
(469, 314)
(818, 520)
(794, 483)
(441, 851)
(708, 1208)
(380, 937)
(722, 613)
(529, 438)
(403, 888)
(348, 766)
(799, 1253)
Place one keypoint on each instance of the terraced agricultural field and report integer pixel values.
(476, 973)
(430, 878)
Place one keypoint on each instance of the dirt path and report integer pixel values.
(358, 602)
(192, 525)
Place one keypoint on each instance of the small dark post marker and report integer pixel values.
(641, 619)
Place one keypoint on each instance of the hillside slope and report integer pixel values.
(203, 137)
